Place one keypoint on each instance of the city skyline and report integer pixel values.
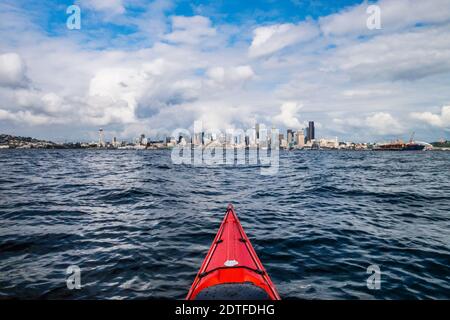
(153, 66)
(258, 135)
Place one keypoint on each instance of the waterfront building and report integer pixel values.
(257, 132)
(197, 139)
(290, 136)
(280, 138)
(141, 139)
(300, 138)
(310, 132)
(252, 137)
(101, 138)
(263, 139)
(329, 143)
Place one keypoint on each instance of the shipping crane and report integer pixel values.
(412, 137)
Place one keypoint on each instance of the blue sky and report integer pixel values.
(149, 67)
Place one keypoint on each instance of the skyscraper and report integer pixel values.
(142, 139)
(310, 134)
(101, 138)
(290, 136)
(300, 138)
(257, 131)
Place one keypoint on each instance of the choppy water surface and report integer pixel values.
(139, 226)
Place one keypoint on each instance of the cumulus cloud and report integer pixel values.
(269, 39)
(288, 115)
(380, 123)
(12, 70)
(395, 15)
(110, 7)
(27, 117)
(122, 87)
(409, 55)
(384, 123)
(231, 76)
(190, 30)
(436, 120)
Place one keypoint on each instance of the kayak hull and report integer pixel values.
(231, 268)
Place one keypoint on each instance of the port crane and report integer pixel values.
(412, 137)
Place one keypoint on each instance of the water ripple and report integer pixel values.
(139, 226)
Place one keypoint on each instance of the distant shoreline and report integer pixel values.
(281, 149)
(10, 142)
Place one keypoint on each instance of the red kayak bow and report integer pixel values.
(231, 269)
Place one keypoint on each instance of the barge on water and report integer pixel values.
(399, 145)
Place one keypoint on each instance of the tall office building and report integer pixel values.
(252, 136)
(300, 138)
(257, 131)
(142, 139)
(290, 136)
(101, 138)
(310, 134)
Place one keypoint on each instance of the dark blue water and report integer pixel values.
(139, 227)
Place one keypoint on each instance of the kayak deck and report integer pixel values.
(231, 269)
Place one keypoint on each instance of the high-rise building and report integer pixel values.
(280, 138)
(257, 131)
(142, 140)
(310, 133)
(198, 138)
(252, 137)
(263, 136)
(290, 136)
(101, 138)
(300, 138)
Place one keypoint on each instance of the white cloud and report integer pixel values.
(230, 76)
(27, 117)
(12, 70)
(111, 7)
(288, 115)
(383, 123)
(437, 120)
(190, 30)
(269, 39)
(379, 124)
(408, 55)
(395, 15)
(122, 87)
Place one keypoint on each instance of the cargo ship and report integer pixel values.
(400, 145)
